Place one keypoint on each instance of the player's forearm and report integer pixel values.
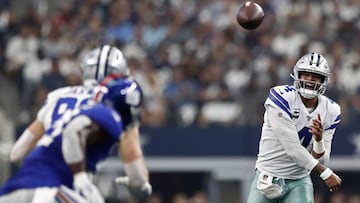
(27, 141)
(131, 154)
(77, 167)
(130, 149)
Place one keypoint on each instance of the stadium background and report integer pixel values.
(205, 80)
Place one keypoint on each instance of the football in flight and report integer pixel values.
(250, 15)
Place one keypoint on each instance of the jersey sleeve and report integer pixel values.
(42, 112)
(281, 97)
(47, 107)
(108, 119)
(335, 115)
(332, 123)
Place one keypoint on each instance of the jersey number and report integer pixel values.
(64, 110)
(305, 136)
(62, 105)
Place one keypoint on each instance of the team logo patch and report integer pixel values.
(265, 177)
(308, 118)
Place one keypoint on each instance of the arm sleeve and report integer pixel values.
(284, 129)
(327, 138)
(329, 132)
(27, 141)
(22, 145)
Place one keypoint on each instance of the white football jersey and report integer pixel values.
(61, 100)
(273, 158)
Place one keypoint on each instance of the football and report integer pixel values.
(250, 15)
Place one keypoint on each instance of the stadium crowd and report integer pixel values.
(196, 65)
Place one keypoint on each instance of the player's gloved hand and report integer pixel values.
(84, 186)
(136, 191)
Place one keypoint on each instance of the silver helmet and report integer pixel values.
(311, 63)
(103, 61)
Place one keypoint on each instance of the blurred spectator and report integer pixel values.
(199, 197)
(32, 74)
(180, 198)
(53, 79)
(154, 198)
(154, 32)
(190, 56)
(20, 50)
(120, 27)
(339, 197)
(152, 88)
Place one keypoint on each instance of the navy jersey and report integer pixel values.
(45, 165)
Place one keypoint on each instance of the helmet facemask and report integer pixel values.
(315, 64)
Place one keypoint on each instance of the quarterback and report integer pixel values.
(298, 128)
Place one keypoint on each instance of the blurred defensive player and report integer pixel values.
(299, 124)
(97, 64)
(56, 170)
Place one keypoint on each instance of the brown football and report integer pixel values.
(250, 15)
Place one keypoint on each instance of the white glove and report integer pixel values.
(84, 186)
(136, 191)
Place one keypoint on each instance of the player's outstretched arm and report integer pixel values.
(27, 141)
(134, 165)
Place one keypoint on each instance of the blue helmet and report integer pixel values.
(123, 94)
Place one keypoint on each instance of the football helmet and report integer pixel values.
(123, 94)
(311, 63)
(101, 62)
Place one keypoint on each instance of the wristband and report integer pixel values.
(318, 146)
(326, 174)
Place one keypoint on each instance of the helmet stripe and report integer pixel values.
(311, 58)
(318, 61)
(107, 62)
(102, 62)
(98, 63)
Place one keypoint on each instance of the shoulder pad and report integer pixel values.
(282, 97)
